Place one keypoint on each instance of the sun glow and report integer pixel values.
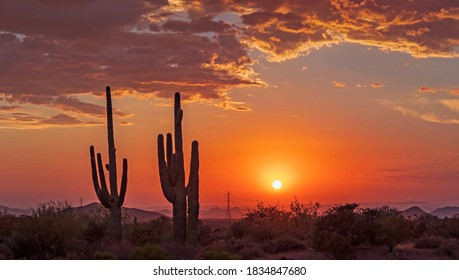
(277, 184)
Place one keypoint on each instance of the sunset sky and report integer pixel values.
(343, 101)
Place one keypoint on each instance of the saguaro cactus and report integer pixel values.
(110, 199)
(172, 177)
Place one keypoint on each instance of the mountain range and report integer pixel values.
(131, 214)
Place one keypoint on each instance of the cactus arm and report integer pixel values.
(167, 188)
(193, 196)
(169, 152)
(103, 183)
(95, 180)
(193, 179)
(104, 198)
(111, 146)
(123, 187)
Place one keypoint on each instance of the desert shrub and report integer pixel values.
(283, 244)
(7, 221)
(6, 253)
(178, 251)
(218, 255)
(262, 223)
(428, 225)
(50, 232)
(252, 252)
(98, 255)
(234, 245)
(450, 247)
(19, 244)
(155, 232)
(302, 219)
(121, 250)
(149, 252)
(345, 220)
(209, 234)
(333, 243)
(428, 242)
(451, 227)
(94, 230)
(391, 228)
(240, 228)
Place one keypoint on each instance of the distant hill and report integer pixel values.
(130, 214)
(446, 212)
(413, 212)
(13, 211)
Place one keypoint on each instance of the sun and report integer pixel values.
(277, 184)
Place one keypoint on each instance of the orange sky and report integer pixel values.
(340, 100)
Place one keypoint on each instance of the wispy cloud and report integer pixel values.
(339, 84)
(427, 89)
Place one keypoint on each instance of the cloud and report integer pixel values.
(61, 119)
(29, 121)
(61, 49)
(140, 48)
(427, 89)
(454, 91)
(339, 84)
(287, 29)
(376, 85)
(7, 108)
(425, 109)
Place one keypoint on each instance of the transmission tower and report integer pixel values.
(228, 206)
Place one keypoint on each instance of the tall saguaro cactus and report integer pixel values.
(109, 198)
(172, 177)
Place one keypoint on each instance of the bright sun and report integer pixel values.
(277, 184)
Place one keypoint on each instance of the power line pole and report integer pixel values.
(228, 206)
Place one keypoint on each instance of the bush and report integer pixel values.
(251, 253)
(98, 255)
(49, 233)
(450, 247)
(283, 244)
(392, 230)
(209, 234)
(333, 243)
(344, 220)
(218, 255)
(6, 253)
(155, 232)
(428, 242)
(149, 252)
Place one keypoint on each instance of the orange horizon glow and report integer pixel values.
(340, 102)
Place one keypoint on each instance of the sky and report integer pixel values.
(343, 101)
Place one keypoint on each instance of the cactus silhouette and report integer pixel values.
(110, 199)
(172, 177)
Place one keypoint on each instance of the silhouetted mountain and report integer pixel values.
(13, 211)
(444, 212)
(414, 212)
(128, 214)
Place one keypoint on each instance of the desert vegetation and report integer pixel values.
(347, 231)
